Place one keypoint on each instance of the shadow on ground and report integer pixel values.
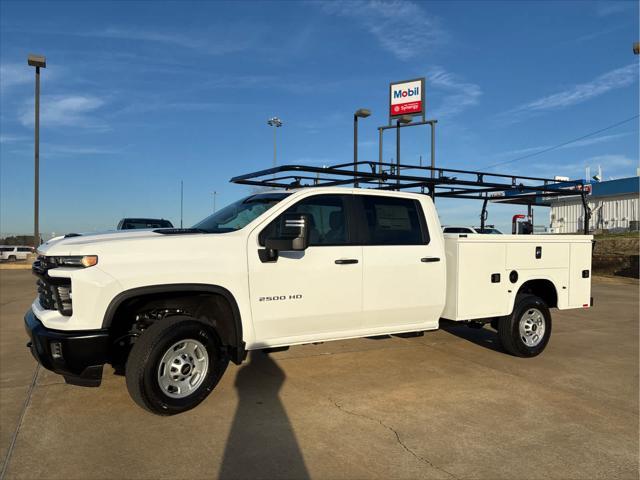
(261, 443)
(484, 337)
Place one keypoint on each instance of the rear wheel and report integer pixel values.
(526, 332)
(12, 258)
(174, 365)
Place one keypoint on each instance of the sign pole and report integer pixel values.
(398, 150)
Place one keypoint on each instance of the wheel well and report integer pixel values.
(131, 312)
(544, 289)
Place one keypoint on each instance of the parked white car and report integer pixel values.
(173, 307)
(11, 253)
(489, 229)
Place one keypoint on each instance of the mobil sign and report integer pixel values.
(406, 98)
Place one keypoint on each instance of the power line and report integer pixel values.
(564, 143)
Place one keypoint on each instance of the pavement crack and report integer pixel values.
(26, 404)
(420, 458)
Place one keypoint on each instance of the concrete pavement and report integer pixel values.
(446, 405)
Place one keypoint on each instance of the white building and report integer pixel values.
(614, 206)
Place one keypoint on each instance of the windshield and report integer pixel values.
(239, 214)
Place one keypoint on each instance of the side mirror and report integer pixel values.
(293, 233)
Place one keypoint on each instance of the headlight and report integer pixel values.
(77, 261)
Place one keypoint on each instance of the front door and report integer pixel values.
(313, 294)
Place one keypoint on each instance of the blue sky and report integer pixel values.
(137, 96)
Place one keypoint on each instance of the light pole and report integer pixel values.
(360, 113)
(214, 201)
(37, 61)
(276, 123)
(181, 201)
(402, 119)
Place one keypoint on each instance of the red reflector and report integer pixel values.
(586, 305)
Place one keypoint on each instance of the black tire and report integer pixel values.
(145, 357)
(12, 258)
(509, 332)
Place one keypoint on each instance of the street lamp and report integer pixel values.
(214, 201)
(360, 113)
(276, 123)
(403, 119)
(37, 61)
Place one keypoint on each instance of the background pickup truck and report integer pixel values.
(171, 307)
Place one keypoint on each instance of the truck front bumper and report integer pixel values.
(76, 355)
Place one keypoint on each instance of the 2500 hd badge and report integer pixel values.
(280, 297)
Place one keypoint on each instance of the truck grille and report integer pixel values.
(53, 293)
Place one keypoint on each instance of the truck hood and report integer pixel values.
(91, 243)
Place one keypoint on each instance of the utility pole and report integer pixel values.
(38, 61)
(181, 200)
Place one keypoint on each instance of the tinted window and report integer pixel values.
(24, 249)
(139, 223)
(6, 249)
(394, 221)
(457, 230)
(328, 220)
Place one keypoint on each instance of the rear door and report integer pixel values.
(313, 294)
(403, 272)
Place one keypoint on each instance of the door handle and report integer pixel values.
(346, 261)
(429, 259)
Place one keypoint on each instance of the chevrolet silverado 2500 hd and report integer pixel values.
(171, 307)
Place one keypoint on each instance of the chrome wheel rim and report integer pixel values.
(183, 368)
(532, 327)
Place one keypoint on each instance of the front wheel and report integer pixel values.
(526, 332)
(174, 365)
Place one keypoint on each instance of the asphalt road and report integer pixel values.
(446, 405)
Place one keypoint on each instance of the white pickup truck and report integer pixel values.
(171, 307)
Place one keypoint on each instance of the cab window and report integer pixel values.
(327, 216)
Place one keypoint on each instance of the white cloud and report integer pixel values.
(618, 78)
(10, 138)
(612, 164)
(604, 9)
(460, 94)
(71, 150)
(577, 144)
(12, 74)
(611, 161)
(401, 27)
(221, 43)
(64, 110)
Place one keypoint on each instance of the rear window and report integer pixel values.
(6, 249)
(394, 221)
(457, 230)
(145, 223)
